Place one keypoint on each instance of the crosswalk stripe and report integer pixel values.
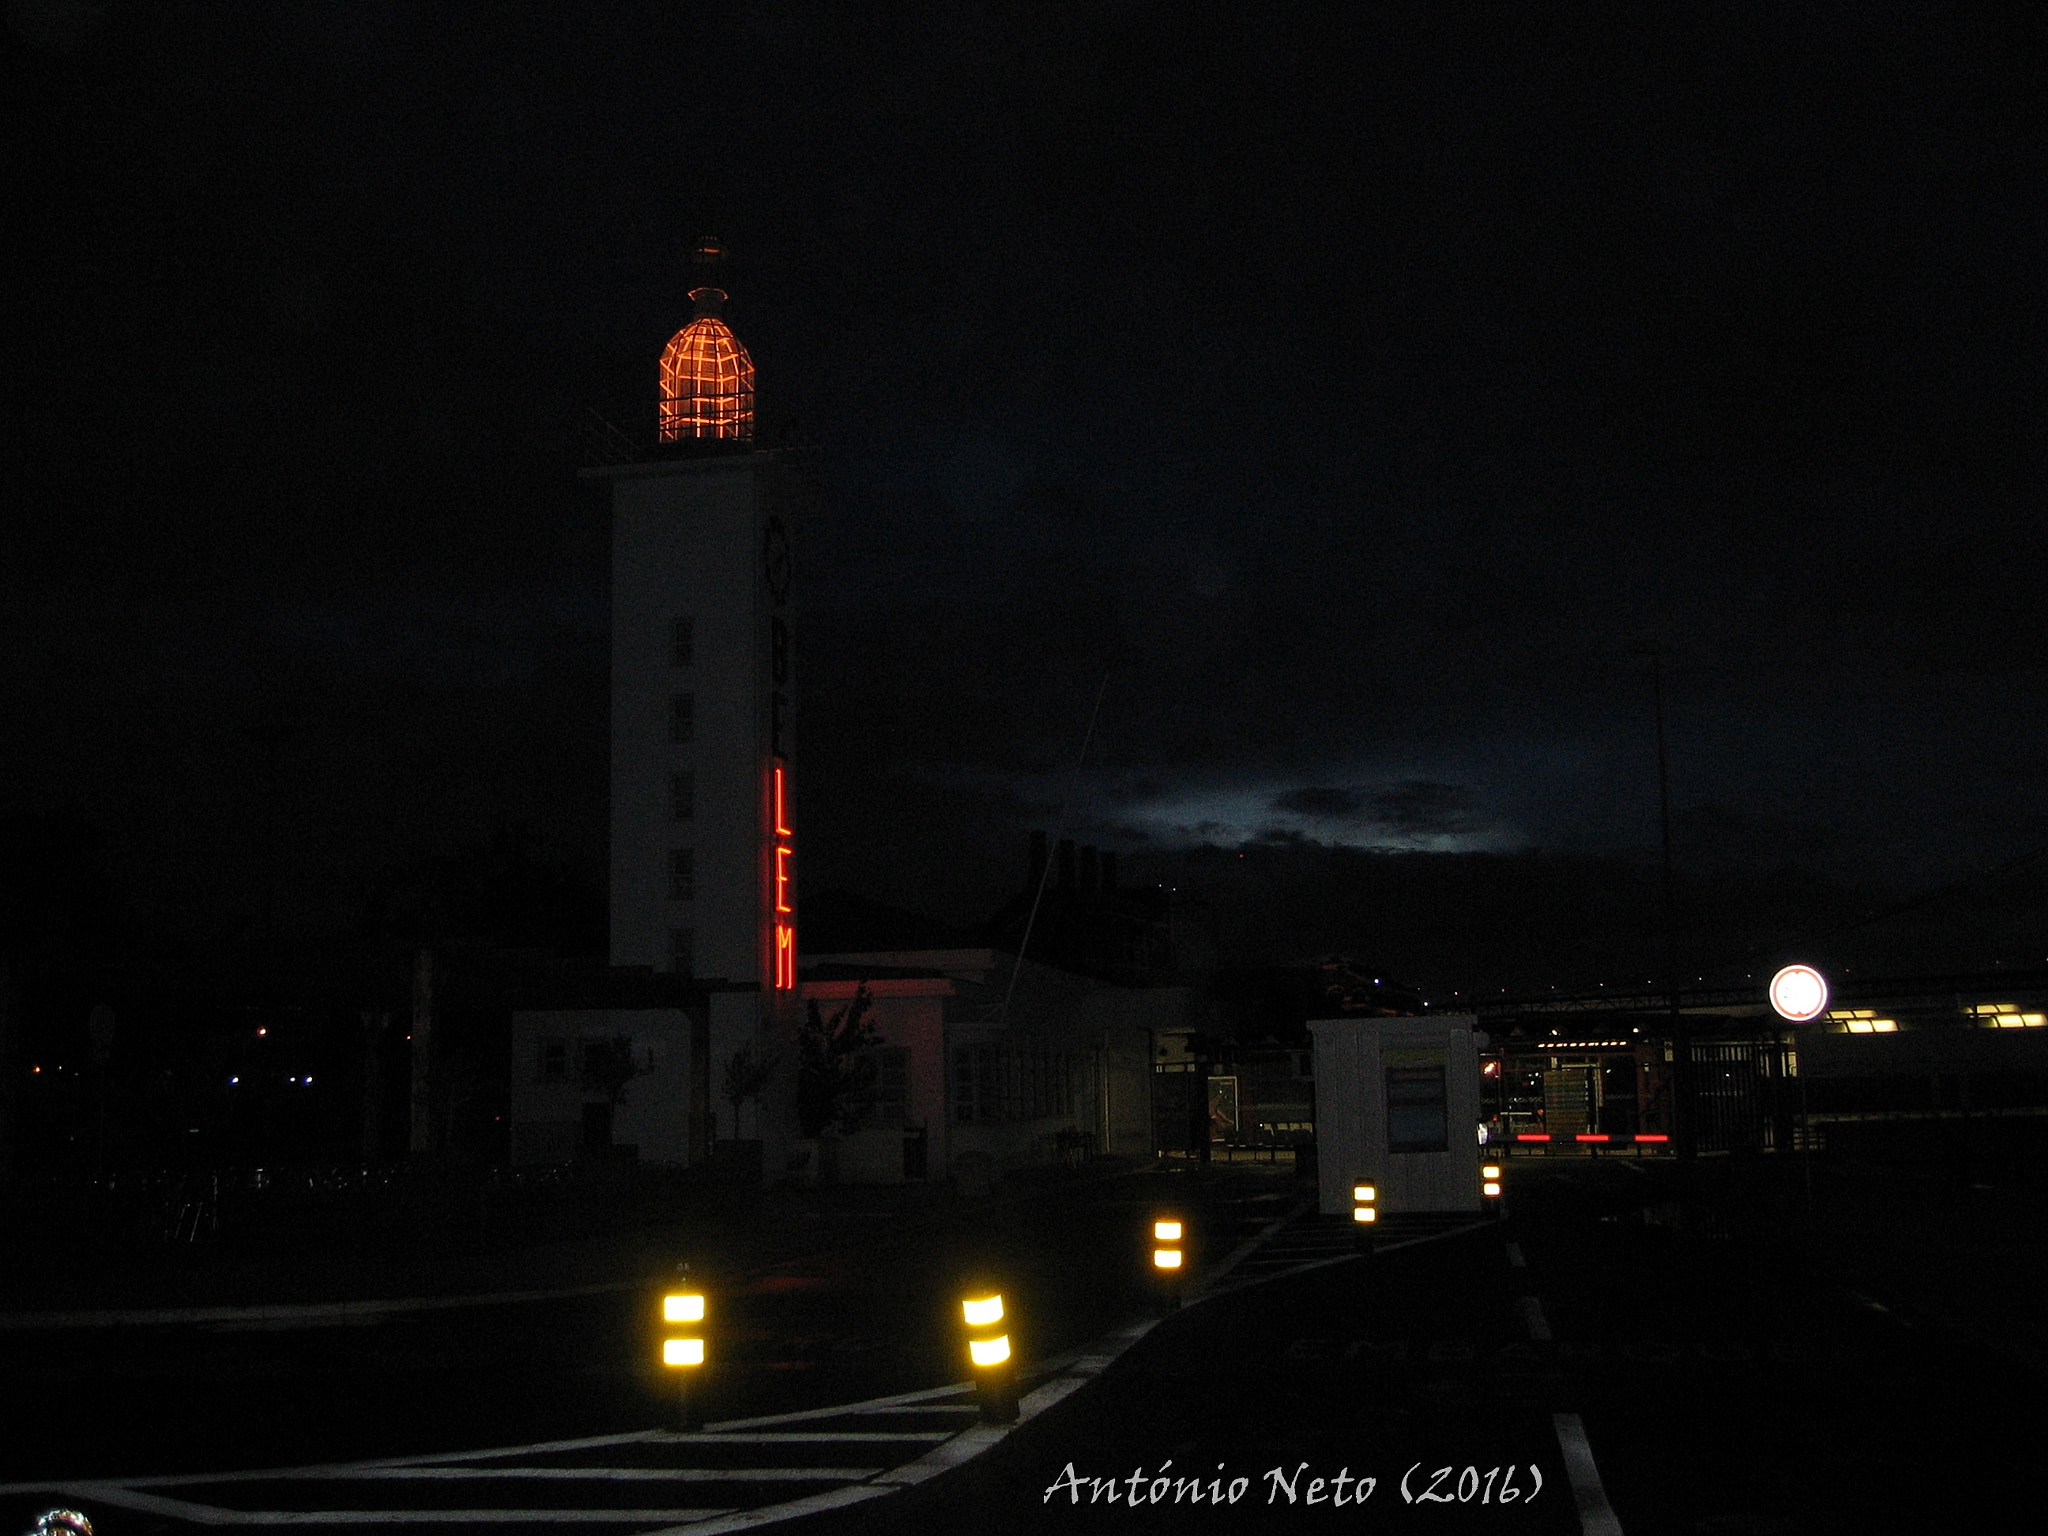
(608, 1474)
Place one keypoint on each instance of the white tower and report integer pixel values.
(704, 835)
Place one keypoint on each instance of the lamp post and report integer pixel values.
(1799, 995)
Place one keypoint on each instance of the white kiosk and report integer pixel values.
(1397, 1104)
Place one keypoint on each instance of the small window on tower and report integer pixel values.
(554, 1059)
(682, 952)
(682, 717)
(682, 796)
(682, 874)
(683, 643)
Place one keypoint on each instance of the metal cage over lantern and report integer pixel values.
(707, 378)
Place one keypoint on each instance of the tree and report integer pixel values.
(747, 1075)
(836, 1066)
(608, 1066)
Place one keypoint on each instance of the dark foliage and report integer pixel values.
(835, 1067)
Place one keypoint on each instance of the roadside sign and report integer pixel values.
(1799, 993)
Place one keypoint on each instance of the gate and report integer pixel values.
(1741, 1096)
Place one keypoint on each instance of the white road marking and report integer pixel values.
(1596, 1515)
(608, 1474)
(1245, 1249)
(208, 1514)
(774, 1514)
(1532, 1314)
(818, 1437)
(1344, 1258)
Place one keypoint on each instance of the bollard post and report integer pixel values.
(1365, 1212)
(683, 1316)
(1169, 1260)
(988, 1352)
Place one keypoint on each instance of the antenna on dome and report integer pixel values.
(707, 274)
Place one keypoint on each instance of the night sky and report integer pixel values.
(1361, 390)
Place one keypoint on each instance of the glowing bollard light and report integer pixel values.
(988, 1351)
(1365, 1211)
(1169, 1259)
(684, 1353)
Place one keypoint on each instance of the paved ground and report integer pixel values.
(1611, 1374)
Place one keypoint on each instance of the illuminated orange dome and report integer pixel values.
(707, 379)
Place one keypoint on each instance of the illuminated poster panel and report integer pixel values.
(1418, 1107)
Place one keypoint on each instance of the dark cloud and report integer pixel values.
(1421, 808)
(1357, 427)
(1325, 804)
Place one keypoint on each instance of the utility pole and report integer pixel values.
(422, 1140)
(1681, 1038)
(375, 1023)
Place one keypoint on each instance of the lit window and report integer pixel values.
(682, 718)
(683, 643)
(682, 795)
(682, 874)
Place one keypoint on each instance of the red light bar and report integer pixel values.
(1592, 1136)
(1657, 1137)
(1535, 1136)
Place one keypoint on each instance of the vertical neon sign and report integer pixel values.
(785, 930)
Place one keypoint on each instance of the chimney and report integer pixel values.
(1108, 869)
(1037, 863)
(1088, 867)
(1066, 863)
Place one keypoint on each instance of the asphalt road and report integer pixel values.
(1610, 1374)
(1703, 1386)
(864, 1320)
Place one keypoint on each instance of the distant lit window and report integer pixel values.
(682, 795)
(683, 643)
(554, 1059)
(682, 874)
(682, 717)
(682, 953)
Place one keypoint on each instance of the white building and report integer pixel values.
(1397, 1106)
(977, 1075)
